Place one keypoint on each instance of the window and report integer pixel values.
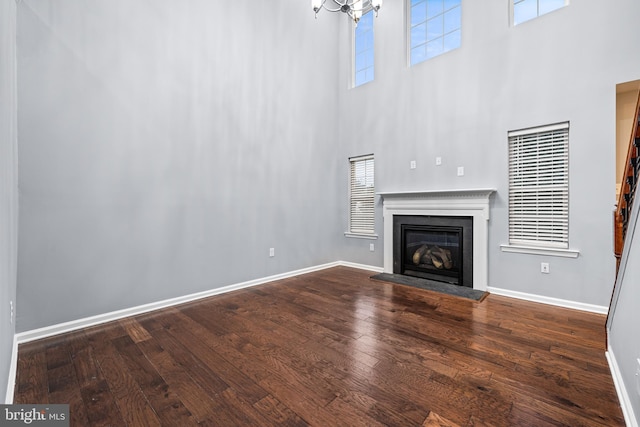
(434, 28)
(363, 63)
(524, 10)
(539, 186)
(361, 196)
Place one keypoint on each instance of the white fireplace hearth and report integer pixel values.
(469, 203)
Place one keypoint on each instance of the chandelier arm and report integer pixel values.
(337, 3)
(329, 9)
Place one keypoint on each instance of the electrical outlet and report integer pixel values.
(438, 161)
(544, 267)
(11, 312)
(272, 252)
(412, 165)
(372, 247)
(460, 170)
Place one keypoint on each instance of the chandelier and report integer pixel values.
(353, 8)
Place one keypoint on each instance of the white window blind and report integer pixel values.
(539, 186)
(361, 195)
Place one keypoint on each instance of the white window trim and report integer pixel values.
(355, 234)
(407, 32)
(373, 236)
(521, 249)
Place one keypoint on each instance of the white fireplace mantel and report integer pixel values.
(466, 202)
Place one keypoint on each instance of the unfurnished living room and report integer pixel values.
(319, 213)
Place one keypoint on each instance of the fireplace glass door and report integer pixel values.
(432, 252)
(436, 248)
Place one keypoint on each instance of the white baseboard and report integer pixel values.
(361, 266)
(623, 396)
(86, 322)
(549, 300)
(13, 371)
(48, 331)
(73, 325)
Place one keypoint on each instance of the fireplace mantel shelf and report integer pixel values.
(468, 192)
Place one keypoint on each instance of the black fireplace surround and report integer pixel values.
(436, 248)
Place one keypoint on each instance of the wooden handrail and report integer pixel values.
(627, 187)
(625, 200)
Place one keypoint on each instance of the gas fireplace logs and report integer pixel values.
(434, 255)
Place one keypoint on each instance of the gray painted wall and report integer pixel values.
(563, 66)
(166, 146)
(8, 185)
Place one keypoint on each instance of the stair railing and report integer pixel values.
(628, 188)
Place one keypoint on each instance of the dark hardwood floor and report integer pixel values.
(331, 348)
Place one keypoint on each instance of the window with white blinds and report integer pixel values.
(361, 195)
(539, 186)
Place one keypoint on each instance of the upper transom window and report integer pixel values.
(435, 27)
(524, 10)
(363, 50)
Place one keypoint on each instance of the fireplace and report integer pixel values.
(453, 223)
(434, 247)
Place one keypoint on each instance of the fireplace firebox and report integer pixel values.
(437, 248)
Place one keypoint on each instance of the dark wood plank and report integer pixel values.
(135, 330)
(196, 338)
(188, 391)
(100, 405)
(204, 377)
(435, 420)
(65, 388)
(331, 348)
(165, 403)
(128, 395)
(277, 413)
(31, 377)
